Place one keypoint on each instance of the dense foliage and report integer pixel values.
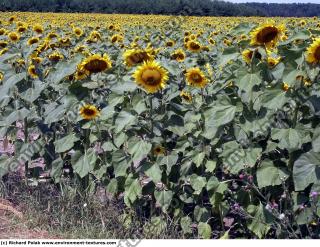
(171, 7)
(210, 122)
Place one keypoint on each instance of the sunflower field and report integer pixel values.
(210, 122)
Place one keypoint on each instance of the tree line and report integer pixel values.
(169, 7)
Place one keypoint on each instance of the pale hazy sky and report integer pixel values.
(275, 1)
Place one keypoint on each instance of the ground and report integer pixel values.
(14, 225)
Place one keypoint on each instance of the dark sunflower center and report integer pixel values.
(267, 34)
(317, 53)
(196, 78)
(89, 112)
(138, 58)
(194, 46)
(151, 76)
(96, 66)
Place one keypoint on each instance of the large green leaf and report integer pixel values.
(260, 223)
(290, 139)
(138, 148)
(132, 191)
(66, 143)
(164, 198)
(85, 164)
(306, 170)
(270, 175)
(124, 119)
(204, 230)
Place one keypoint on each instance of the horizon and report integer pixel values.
(273, 1)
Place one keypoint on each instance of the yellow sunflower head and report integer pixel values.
(313, 52)
(89, 112)
(95, 64)
(193, 46)
(13, 36)
(38, 28)
(1, 76)
(285, 87)
(78, 31)
(186, 96)
(55, 56)
(273, 61)
(267, 34)
(33, 40)
(151, 76)
(159, 150)
(3, 44)
(32, 71)
(179, 55)
(136, 56)
(196, 78)
(3, 51)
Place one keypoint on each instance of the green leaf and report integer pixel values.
(85, 164)
(204, 230)
(306, 170)
(274, 99)
(139, 149)
(248, 81)
(185, 224)
(316, 140)
(197, 183)
(112, 186)
(290, 139)
(154, 172)
(198, 158)
(164, 198)
(270, 175)
(260, 223)
(66, 143)
(219, 115)
(201, 214)
(120, 163)
(229, 54)
(56, 170)
(124, 119)
(132, 190)
(235, 158)
(211, 165)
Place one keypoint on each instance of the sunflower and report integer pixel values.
(32, 71)
(3, 51)
(80, 75)
(170, 43)
(22, 29)
(89, 112)
(12, 18)
(37, 60)
(95, 64)
(78, 32)
(38, 28)
(267, 34)
(178, 55)
(159, 150)
(196, 78)
(117, 38)
(273, 61)
(33, 40)
(136, 56)
(313, 52)
(247, 55)
(55, 56)
(52, 35)
(285, 87)
(3, 44)
(186, 96)
(151, 76)
(193, 46)
(1, 76)
(3, 31)
(14, 37)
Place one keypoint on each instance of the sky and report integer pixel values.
(275, 1)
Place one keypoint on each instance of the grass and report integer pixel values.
(66, 214)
